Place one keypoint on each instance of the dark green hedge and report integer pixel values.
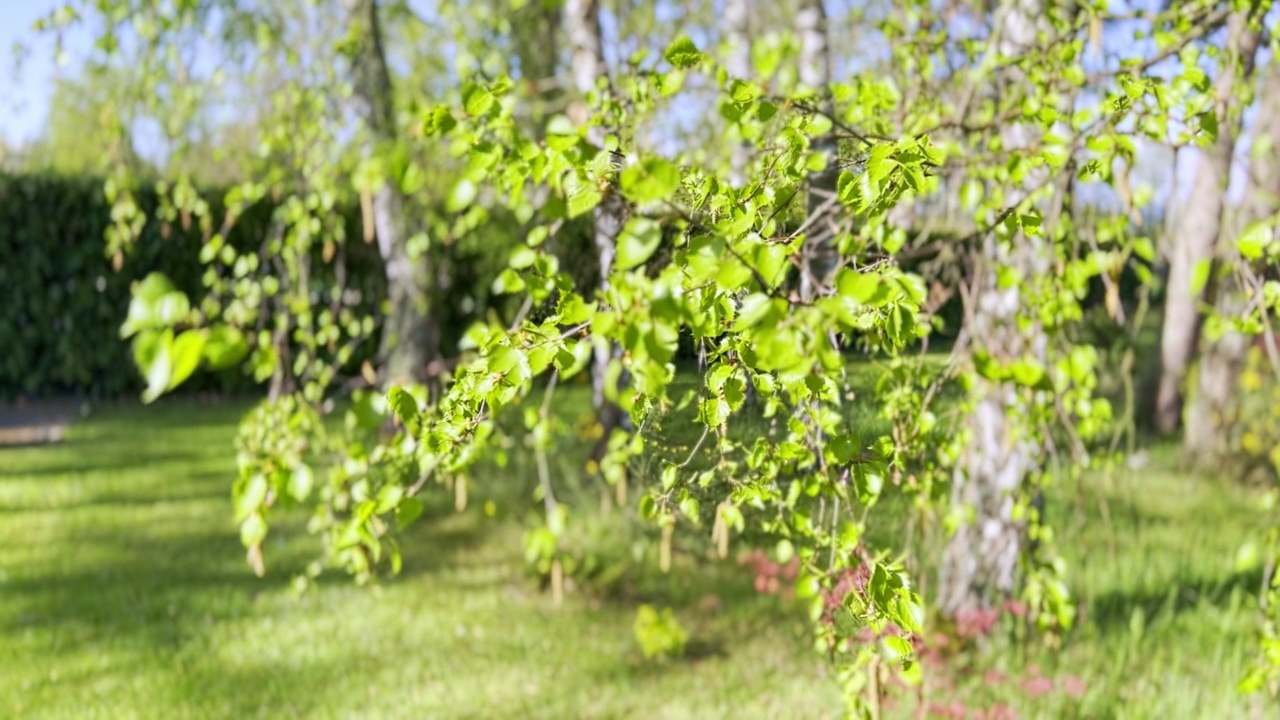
(62, 303)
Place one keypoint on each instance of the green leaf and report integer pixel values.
(879, 163)
(753, 311)
(404, 405)
(1030, 224)
(1145, 249)
(407, 511)
(691, 508)
(477, 100)
(158, 368)
(771, 261)
(438, 121)
(1029, 372)
(733, 275)
(184, 356)
(1055, 156)
(735, 393)
(583, 201)
(522, 256)
(562, 133)
(901, 324)
(715, 411)
(389, 498)
(572, 309)
(508, 281)
(988, 367)
(638, 240)
(1209, 125)
(742, 91)
(785, 551)
(843, 448)
(224, 347)
(301, 482)
(155, 304)
(249, 494)
(653, 179)
(648, 507)
(669, 83)
(461, 196)
(899, 648)
(253, 530)
(1254, 240)
(1200, 276)
(683, 53)
(858, 286)
(847, 188)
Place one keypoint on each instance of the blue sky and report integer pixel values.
(26, 77)
(28, 69)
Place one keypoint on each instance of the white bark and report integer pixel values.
(1211, 409)
(409, 334)
(980, 563)
(1199, 226)
(819, 260)
(588, 67)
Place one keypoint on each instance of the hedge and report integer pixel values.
(63, 303)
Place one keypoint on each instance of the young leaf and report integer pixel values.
(224, 347)
(404, 405)
(407, 511)
(638, 240)
(477, 100)
(683, 53)
(157, 368)
(185, 355)
(653, 179)
(856, 285)
(583, 201)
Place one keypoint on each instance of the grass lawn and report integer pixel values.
(124, 593)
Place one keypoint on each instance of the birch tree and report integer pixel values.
(1196, 235)
(410, 336)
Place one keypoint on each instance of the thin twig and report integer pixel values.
(706, 429)
(540, 452)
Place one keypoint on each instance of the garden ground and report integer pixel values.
(124, 593)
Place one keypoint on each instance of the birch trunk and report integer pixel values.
(1196, 235)
(980, 562)
(819, 259)
(587, 65)
(410, 337)
(1211, 410)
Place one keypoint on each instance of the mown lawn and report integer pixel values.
(124, 593)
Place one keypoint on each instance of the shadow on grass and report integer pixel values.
(1113, 612)
(107, 460)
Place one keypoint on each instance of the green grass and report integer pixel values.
(124, 593)
(1167, 619)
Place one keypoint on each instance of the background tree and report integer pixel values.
(737, 40)
(591, 79)
(90, 127)
(1196, 236)
(410, 335)
(814, 64)
(981, 561)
